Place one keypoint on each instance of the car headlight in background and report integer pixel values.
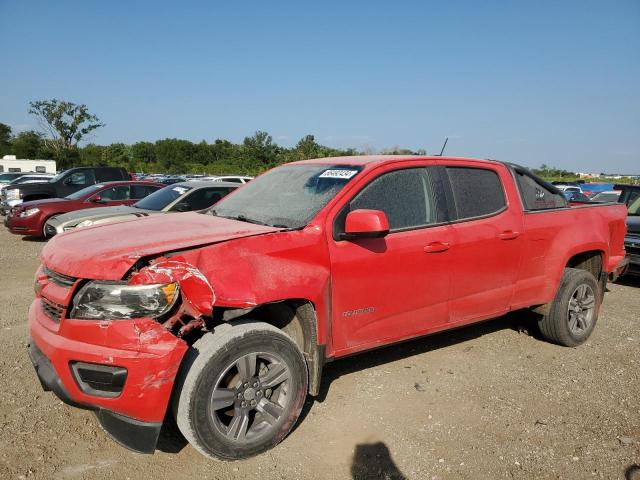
(86, 223)
(118, 300)
(29, 212)
(12, 194)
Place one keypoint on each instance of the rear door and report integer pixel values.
(396, 287)
(486, 243)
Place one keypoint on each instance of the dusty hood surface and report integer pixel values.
(107, 252)
(99, 212)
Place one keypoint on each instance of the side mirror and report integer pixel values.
(97, 199)
(67, 181)
(182, 207)
(365, 224)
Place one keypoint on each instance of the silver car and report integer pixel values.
(179, 197)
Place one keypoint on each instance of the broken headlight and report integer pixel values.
(118, 300)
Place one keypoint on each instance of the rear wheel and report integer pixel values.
(240, 390)
(572, 315)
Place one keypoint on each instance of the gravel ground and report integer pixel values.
(488, 401)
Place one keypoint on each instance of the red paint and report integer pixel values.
(49, 207)
(366, 291)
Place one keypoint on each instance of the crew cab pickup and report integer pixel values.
(63, 184)
(226, 317)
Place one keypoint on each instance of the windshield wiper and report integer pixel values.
(243, 218)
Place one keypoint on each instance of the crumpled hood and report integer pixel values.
(107, 252)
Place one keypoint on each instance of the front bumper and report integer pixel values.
(23, 226)
(150, 354)
(7, 205)
(632, 246)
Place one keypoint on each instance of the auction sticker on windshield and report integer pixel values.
(345, 174)
(180, 190)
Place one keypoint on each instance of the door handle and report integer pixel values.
(435, 247)
(508, 235)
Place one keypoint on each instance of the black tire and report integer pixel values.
(261, 416)
(562, 322)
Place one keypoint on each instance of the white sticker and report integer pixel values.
(180, 190)
(343, 174)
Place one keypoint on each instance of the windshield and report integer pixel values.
(81, 193)
(634, 208)
(58, 176)
(163, 197)
(288, 196)
(9, 177)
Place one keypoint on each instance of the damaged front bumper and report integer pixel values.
(130, 406)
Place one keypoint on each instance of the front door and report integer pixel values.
(391, 288)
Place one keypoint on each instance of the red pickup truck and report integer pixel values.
(226, 317)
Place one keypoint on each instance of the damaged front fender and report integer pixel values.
(198, 295)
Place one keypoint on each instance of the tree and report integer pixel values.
(307, 147)
(260, 147)
(65, 122)
(5, 139)
(28, 144)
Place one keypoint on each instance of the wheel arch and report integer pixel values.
(297, 318)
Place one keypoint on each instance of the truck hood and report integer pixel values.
(107, 252)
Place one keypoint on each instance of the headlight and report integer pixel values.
(117, 300)
(86, 223)
(12, 194)
(29, 212)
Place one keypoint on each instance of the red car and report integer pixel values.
(29, 218)
(225, 317)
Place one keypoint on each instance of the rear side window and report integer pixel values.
(204, 197)
(405, 196)
(109, 174)
(535, 195)
(477, 192)
(141, 191)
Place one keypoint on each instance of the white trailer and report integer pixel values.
(9, 163)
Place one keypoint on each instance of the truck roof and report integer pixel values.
(378, 159)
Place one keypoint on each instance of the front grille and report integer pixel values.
(50, 230)
(52, 310)
(59, 279)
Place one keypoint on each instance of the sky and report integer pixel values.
(543, 82)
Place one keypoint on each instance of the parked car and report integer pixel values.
(609, 196)
(233, 312)
(63, 184)
(26, 178)
(180, 197)
(630, 197)
(232, 178)
(171, 180)
(29, 218)
(574, 196)
(7, 178)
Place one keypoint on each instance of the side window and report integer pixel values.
(115, 193)
(141, 191)
(41, 169)
(80, 178)
(405, 196)
(109, 175)
(476, 191)
(535, 195)
(204, 198)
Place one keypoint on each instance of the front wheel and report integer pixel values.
(240, 390)
(572, 315)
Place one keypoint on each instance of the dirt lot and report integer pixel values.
(490, 401)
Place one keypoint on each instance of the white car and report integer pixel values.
(569, 188)
(228, 178)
